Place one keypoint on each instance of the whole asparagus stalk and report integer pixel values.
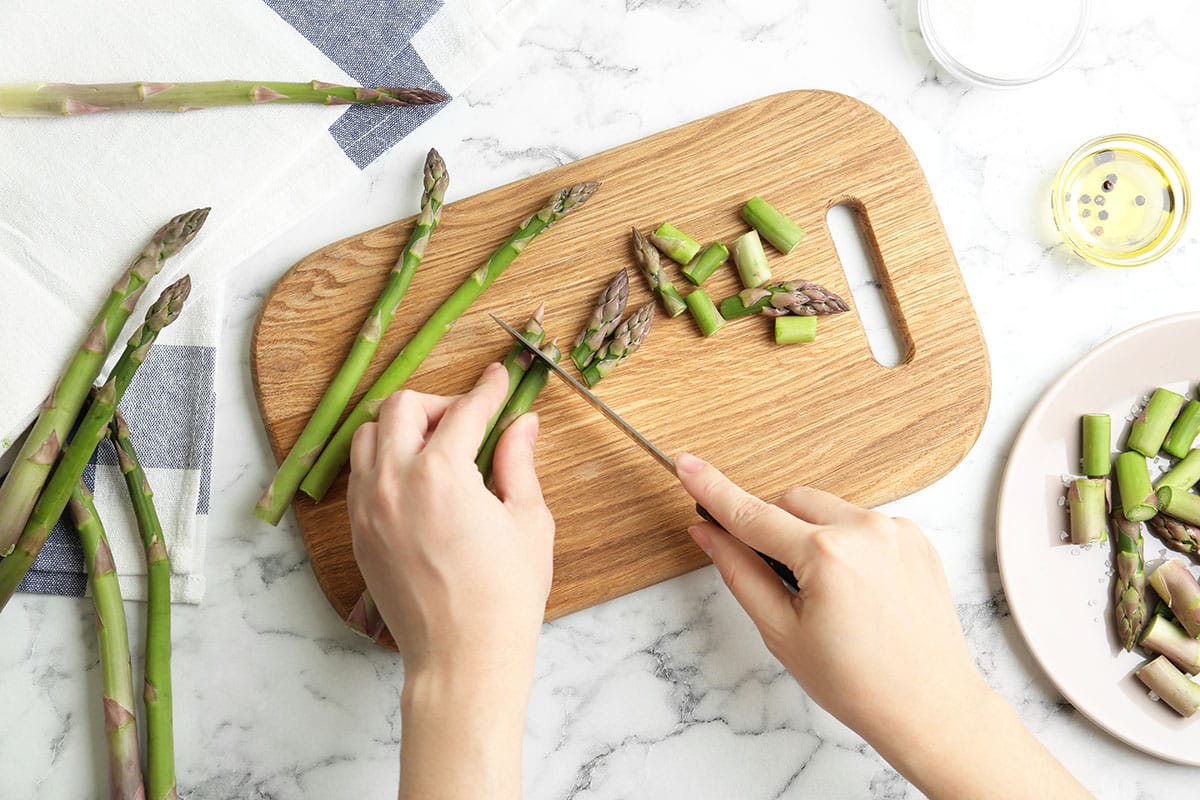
(606, 315)
(120, 725)
(156, 690)
(73, 99)
(87, 435)
(660, 283)
(1129, 606)
(1175, 533)
(1178, 588)
(324, 419)
(802, 298)
(337, 451)
(20, 489)
(365, 619)
(517, 362)
(1164, 637)
(1172, 687)
(627, 338)
(521, 401)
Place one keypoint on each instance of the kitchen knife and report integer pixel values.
(658, 455)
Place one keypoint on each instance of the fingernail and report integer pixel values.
(701, 538)
(492, 368)
(686, 462)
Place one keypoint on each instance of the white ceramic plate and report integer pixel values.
(1059, 593)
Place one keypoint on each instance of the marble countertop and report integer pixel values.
(667, 692)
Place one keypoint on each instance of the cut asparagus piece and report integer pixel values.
(750, 260)
(773, 226)
(1150, 428)
(795, 330)
(1087, 503)
(120, 725)
(73, 99)
(674, 243)
(1096, 448)
(606, 315)
(701, 268)
(656, 276)
(1133, 482)
(20, 489)
(704, 312)
(520, 402)
(1184, 475)
(1181, 505)
(1129, 597)
(1164, 637)
(1174, 688)
(160, 733)
(88, 433)
(517, 362)
(1179, 589)
(365, 619)
(1175, 534)
(324, 419)
(337, 451)
(627, 338)
(1182, 434)
(801, 298)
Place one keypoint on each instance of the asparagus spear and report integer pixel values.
(674, 243)
(87, 435)
(337, 451)
(750, 260)
(156, 692)
(1129, 602)
(517, 362)
(1178, 588)
(120, 726)
(1175, 533)
(365, 619)
(1164, 637)
(324, 419)
(627, 338)
(802, 298)
(520, 402)
(1087, 502)
(795, 330)
(1148, 431)
(1179, 504)
(700, 268)
(1133, 481)
(20, 489)
(772, 225)
(1172, 686)
(1096, 457)
(1182, 434)
(708, 319)
(1184, 474)
(73, 99)
(660, 282)
(606, 315)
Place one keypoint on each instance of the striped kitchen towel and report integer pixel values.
(79, 197)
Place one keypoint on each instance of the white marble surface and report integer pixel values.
(667, 692)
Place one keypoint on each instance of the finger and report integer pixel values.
(363, 446)
(405, 420)
(462, 426)
(759, 524)
(819, 507)
(753, 584)
(513, 474)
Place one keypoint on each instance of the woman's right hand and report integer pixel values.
(871, 635)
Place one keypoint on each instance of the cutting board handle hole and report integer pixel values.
(870, 297)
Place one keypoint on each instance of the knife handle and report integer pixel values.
(781, 569)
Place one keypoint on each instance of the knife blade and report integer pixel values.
(633, 433)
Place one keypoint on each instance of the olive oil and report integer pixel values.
(1120, 201)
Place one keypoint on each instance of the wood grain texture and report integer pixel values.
(824, 414)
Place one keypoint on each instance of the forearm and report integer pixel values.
(976, 746)
(461, 737)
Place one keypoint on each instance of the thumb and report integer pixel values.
(752, 583)
(513, 475)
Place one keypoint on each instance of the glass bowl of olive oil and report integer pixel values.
(1120, 201)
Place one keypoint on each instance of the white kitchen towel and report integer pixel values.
(79, 197)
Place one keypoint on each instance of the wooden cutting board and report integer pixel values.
(825, 414)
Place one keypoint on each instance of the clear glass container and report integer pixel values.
(1120, 200)
(1003, 43)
